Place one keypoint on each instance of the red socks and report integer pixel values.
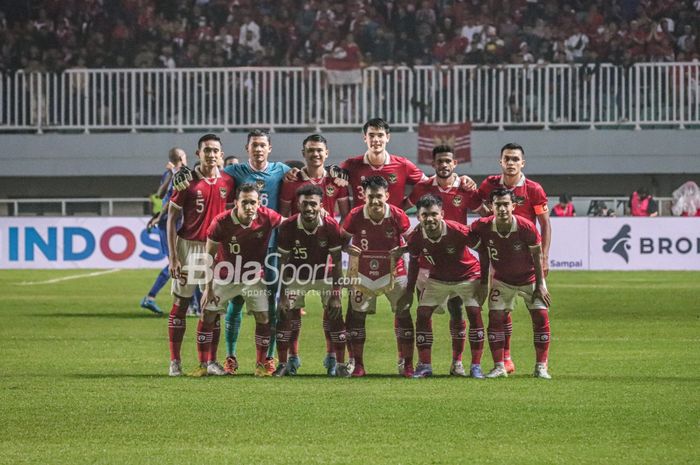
(262, 341)
(424, 334)
(476, 333)
(496, 335)
(176, 330)
(540, 329)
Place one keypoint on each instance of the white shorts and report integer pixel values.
(296, 292)
(502, 296)
(254, 293)
(437, 293)
(186, 250)
(364, 303)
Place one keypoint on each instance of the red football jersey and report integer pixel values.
(450, 259)
(530, 198)
(397, 171)
(510, 254)
(331, 192)
(201, 202)
(456, 202)
(310, 248)
(382, 236)
(247, 242)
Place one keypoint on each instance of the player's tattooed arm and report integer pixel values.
(540, 287)
(341, 176)
(181, 179)
(546, 233)
(174, 266)
(208, 293)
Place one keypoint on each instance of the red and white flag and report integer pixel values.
(343, 66)
(457, 136)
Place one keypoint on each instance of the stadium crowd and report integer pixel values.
(52, 35)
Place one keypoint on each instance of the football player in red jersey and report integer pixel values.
(530, 202)
(306, 242)
(236, 242)
(442, 242)
(377, 230)
(206, 196)
(456, 203)
(514, 250)
(315, 153)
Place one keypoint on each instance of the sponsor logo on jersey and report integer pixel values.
(259, 235)
(323, 243)
(392, 178)
(517, 246)
(619, 244)
(389, 233)
(451, 250)
(457, 200)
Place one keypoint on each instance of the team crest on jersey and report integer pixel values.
(457, 200)
(517, 246)
(260, 184)
(222, 192)
(330, 190)
(392, 178)
(451, 250)
(519, 200)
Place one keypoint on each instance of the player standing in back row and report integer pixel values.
(206, 196)
(530, 202)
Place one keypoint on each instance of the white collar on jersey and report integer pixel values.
(443, 233)
(520, 183)
(387, 158)
(305, 175)
(235, 219)
(264, 168)
(217, 175)
(513, 227)
(387, 213)
(300, 225)
(457, 182)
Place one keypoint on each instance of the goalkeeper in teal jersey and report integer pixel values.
(268, 176)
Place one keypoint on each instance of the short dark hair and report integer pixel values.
(230, 157)
(564, 198)
(512, 146)
(309, 189)
(314, 138)
(258, 133)
(247, 187)
(443, 149)
(208, 137)
(374, 182)
(376, 123)
(502, 192)
(427, 201)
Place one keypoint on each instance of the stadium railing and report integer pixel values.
(536, 96)
(76, 207)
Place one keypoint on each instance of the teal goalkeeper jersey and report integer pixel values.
(269, 181)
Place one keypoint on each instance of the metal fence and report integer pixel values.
(586, 96)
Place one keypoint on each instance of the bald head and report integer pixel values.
(177, 156)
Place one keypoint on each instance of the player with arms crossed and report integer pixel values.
(197, 205)
(267, 176)
(514, 250)
(238, 261)
(377, 230)
(306, 242)
(444, 243)
(315, 153)
(530, 202)
(456, 203)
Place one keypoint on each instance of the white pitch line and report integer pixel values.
(68, 278)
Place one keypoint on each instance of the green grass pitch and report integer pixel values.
(83, 380)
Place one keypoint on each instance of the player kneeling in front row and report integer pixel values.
(514, 251)
(454, 273)
(305, 243)
(237, 245)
